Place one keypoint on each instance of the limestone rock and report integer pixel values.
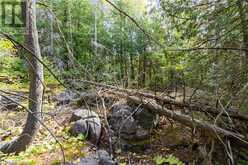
(86, 122)
(100, 157)
(131, 123)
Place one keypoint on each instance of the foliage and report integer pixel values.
(13, 71)
(73, 148)
(170, 159)
(242, 162)
(6, 45)
(123, 163)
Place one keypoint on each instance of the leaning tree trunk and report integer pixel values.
(36, 86)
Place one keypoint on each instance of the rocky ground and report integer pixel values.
(100, 129)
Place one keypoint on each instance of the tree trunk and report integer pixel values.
(67, 35)
(140, 72)
(126, 72)
(52, 33)
(35, 88)
(143, 77)
(132, 76)
(243, 19)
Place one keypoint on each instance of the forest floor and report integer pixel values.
(168, 139)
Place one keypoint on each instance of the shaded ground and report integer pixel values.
(44, 150)
(168, 138)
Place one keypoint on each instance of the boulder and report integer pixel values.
(131, 123)
(100, 157)
(146, 119)
(86, 122)
(88, 161)
(83, 114)
(122, 122)
(104, 158)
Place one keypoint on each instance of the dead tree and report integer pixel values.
(168, 100)
(211, 129)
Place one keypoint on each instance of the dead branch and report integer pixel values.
(167, 100)
(211, 129)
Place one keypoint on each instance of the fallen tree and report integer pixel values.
(211, 129)
(168, 100)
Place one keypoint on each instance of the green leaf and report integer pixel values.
(159, 160)
(170, 159)
(81, 137)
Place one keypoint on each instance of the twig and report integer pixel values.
(108, 128)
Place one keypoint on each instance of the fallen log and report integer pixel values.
(211, 129)
(168, 100)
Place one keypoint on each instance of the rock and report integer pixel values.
(83, 114)
(100, 157)
(89, 99)
(107, 162)
(146, 119)
(86, 122)
(88, 161)
(135, 146)
(93, 99)
(142, 133)
(65, 97)
(122, 122)
(104, 158)
(131, 123)
(118, 106)
(8, 105)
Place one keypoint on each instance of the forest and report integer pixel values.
(124, 82)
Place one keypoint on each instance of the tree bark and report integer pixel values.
(35, 88)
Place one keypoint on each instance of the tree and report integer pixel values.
(243, 28)
(36, 85)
